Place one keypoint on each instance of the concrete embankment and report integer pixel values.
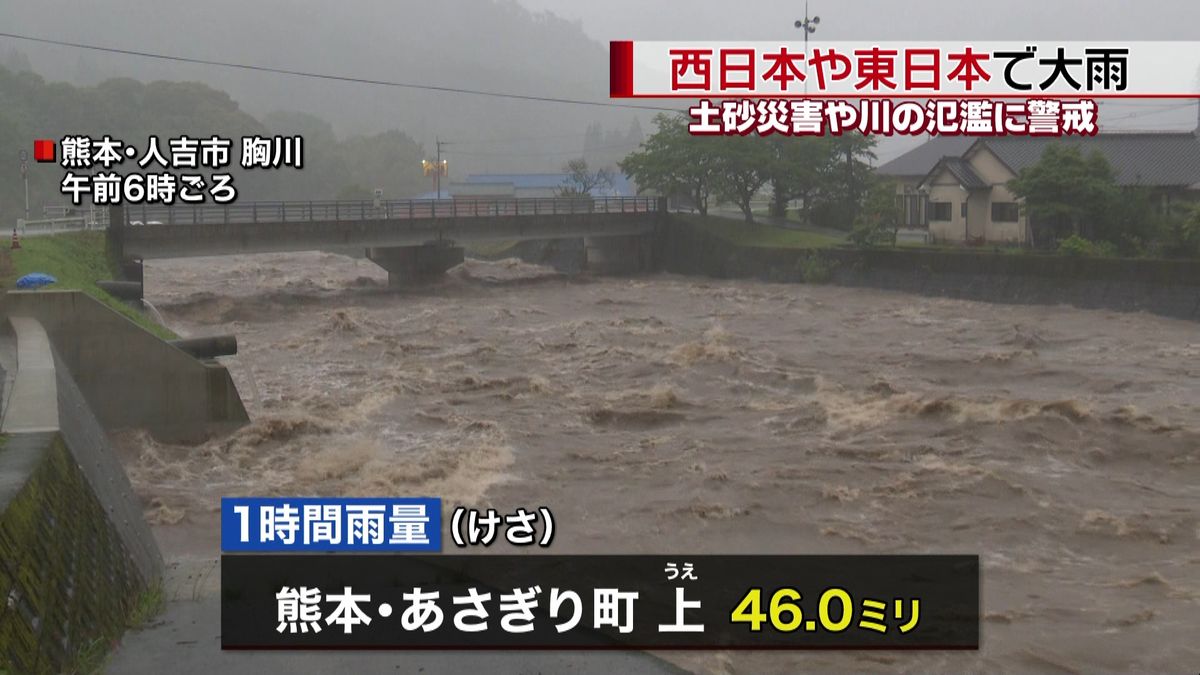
(1167, 287)
(77, 560)
(130, 378)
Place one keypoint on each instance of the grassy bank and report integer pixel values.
(78, 260)
(757, 234)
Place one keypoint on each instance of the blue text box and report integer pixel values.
(359, 524)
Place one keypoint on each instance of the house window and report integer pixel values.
(939, 211)
(1005, 212)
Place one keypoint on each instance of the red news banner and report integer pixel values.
(980, 88)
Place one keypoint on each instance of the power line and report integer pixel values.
(1103, 118)
(540, 154)
(1144, 113)
(1145, 104)
(519, 139)
(452, 90)
(336, 78)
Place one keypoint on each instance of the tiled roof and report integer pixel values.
(962, 171)
(1160, 159)
(921, 159)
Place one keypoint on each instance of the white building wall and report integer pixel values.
(977, 223)
(947, 230)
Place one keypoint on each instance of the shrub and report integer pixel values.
(1077, 246)
(1105, 249)
(867, 235)
(815, 269)
(1182, 233)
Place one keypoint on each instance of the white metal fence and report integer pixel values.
(45, 226)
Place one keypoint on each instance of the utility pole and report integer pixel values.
(25, 178)
(809, 25)
(436, 168)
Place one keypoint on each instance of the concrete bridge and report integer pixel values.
(411, 239)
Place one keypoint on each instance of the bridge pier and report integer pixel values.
(619, 255)
(415, 264)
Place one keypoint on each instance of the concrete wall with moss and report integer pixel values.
(97, 461)
(67, 580)
(76, 556)
(1166, 287)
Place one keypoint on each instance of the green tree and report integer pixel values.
(672, 162)
(1134, 222)
(799, 163)
(833, 173)
(1181, 236)
(846, 178)
(1066, 193)
(132, 111)
(741, 166)
(880, 215)
(390, 160)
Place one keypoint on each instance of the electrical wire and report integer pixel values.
(1144, 113)
(623, 146)
(336, 78)
(519, 139)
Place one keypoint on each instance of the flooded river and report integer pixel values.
(667, 414)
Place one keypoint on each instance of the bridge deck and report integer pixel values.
(347, 211)
(259, 227)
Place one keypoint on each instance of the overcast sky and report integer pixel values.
(392, 39)
(885, 20)
(882, 19)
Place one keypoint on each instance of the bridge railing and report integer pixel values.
(340, 211)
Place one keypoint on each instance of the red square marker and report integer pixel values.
(43, 150)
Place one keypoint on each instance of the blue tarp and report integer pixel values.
(35, 280)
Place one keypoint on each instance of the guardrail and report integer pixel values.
(46, 226)
(341, 211)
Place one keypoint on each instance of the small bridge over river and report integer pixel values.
(409, 238)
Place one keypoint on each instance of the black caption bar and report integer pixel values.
(599, 602)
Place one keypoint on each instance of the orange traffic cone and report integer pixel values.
(16, 242)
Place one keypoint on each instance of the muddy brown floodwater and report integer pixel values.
(666, 414)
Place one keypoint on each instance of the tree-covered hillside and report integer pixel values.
(31, 107)
(491, 45)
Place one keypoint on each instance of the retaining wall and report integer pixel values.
(129, 377)
(76, 555)
(65, 575)
(1166, 287)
